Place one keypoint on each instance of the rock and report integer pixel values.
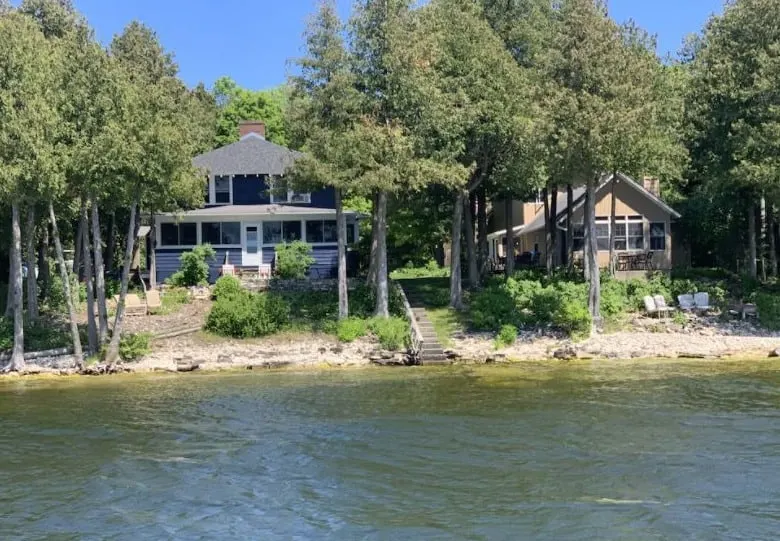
(337, 350)
(566, 353)
(387, 355)
(775, 352)
(323, 351)
(187, 367)
(224, 359)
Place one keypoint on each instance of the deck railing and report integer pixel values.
(414, 329)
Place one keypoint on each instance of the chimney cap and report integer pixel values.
(247, 127)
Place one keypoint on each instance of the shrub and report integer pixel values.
(172, 299)
(614, 298)
(351, 329)
(491, 308)
(248, 315)
(112, 287)
(768, 309)
(56, 300)
(506, 336)
(393, 333)
(39, 337)
(293, 260)
(430, 270)
(194, 267)
(134, 346)
(227, 286)
(573, 318)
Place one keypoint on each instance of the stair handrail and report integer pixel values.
(415, 333)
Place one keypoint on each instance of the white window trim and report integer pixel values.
(213, 189)
(306, 196)
(626, 221)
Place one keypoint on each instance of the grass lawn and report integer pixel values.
(447, 322)
(433, 293)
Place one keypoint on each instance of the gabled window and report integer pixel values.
(222, 190)
(281, 193)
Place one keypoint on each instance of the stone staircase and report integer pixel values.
(432, 351)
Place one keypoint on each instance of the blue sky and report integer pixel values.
(253, 40)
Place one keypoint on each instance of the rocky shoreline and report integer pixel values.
(704, 340)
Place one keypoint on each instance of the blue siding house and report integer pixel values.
(250, 210)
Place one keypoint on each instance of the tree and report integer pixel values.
(235, 104)
(26, 153)
(326, 106)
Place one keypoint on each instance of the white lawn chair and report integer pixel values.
(702, 301)
(661, 306)
(650, 306)
(687, 302)
(264, 271)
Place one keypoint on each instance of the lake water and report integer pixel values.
(613, 451)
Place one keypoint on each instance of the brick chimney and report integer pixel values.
(652, 185)
(245, 127)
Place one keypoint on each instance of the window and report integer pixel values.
(221, 233)
(322, 231)
(658, 236)
(222, 189)
(578, 236)
(621, 242)
(636, 236)
(185, 234)
(278, 232)
(602, 235)
(282, 193)
(351, 236)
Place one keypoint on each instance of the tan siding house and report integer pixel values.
(643, 226)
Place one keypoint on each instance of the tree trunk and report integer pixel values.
(32, 280)
(372, 261)
(471, 246)
(569, 227)
(74, 328)
(482, 232)
(612, 228)
(152, 255)
(77, 251)
(456, 288)
(44, 272)
(547, 231)
(16, 364)
(382, 301)
(510, 238)
(9, 295)
(594, 279)
(86, 258)
(771, 240)
(112, 355)
(100, 276)
(341, 226)
(752, 250)
(586, 236)
(110, 241)
(553, 249)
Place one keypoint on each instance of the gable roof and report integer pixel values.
(537, 224)
(252, 155)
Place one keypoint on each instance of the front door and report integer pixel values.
(253, 252)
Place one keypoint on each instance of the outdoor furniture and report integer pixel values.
(153, 300)
(133, 305)
(687, 302)
(264, 271)
(650, 306)
(660, 304)
(702, 301)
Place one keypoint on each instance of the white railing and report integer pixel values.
(414, 329)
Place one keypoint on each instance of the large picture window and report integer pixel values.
(221, 233)
(279, 232)
(184, 234)
(658, 236)
(282, 193)
(321, 231)
(222, 189)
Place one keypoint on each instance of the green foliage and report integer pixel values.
(235, 104)
(133, 347)
(392, 333)
(351, 329)
(227, 286)
(172, 299)
(112, 287)
(293, 260)
(430, 270)
(248, 315)
(39, 337)
(56, 301)
(194, 267)
(506, 337)
(768, 305)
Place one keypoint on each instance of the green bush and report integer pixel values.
(768, 305)
(351, 329)
(134, 346)
(393, 332)
(172, 299)
(506, 336)
(573, 318)
(194, 267)
(614, 298)
(227, 286)
(293, 260)
(112, 287)
(248, 315)
(56, 300)
(430, 270)
(491, 308)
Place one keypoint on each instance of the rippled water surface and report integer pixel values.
(651, 451)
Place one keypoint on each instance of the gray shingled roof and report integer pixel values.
(260, 210)
(252, 155)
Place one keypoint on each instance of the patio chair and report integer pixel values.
(153, 300)
(702, 301)
(660, 304)
(133, 305)
(650, 306)
(686, 302)
(264, 271)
